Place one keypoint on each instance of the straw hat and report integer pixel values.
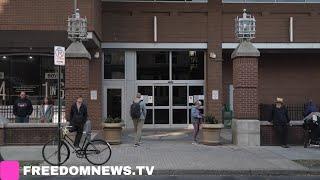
(279, 100)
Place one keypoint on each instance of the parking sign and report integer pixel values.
(59, 55)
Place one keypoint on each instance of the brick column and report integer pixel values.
(245, 126)
(76, 75)
(95, 106)
(2, 132)
(213, 71)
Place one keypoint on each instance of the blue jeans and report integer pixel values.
(22, 119)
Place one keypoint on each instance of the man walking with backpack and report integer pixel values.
(138, 114)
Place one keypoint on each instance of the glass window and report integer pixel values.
(161, 95)
(114, 65)
(149, 118)
(197, 94)
(34, 74)
(114, 103)
(161, 116)
(187, 65)
(146, 91)
(152, 65)
(180, 116)
(179, 95)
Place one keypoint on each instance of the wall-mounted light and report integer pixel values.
(4, 57)
(30, 57)
(97, 55)
(213, 55)
(192, 53)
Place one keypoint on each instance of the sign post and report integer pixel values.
(59, 60)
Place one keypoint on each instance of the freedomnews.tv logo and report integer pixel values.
(9, 170)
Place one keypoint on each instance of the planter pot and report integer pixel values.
(112, 132)
(211, 133)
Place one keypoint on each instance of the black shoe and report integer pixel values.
(285, 146)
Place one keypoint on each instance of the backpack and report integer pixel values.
(135, 110)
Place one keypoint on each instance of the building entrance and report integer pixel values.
(170, 103)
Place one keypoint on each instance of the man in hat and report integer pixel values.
(280, 120)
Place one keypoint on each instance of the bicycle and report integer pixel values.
(91, 149)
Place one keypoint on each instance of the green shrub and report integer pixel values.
(210, 119)
(113, 120)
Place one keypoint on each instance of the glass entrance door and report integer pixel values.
(169, 104)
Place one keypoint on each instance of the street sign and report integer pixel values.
(59, 56)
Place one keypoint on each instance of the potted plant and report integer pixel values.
(112, 128)
(211, 129)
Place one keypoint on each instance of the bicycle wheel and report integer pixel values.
(50, 152)
(98, 152)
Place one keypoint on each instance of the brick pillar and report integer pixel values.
(2, 132)
(213, 71)
(76, 75)
(95, 106)
(245, 126)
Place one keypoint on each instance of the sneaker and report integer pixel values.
(136, 145)
(285, 146)
(194, 143)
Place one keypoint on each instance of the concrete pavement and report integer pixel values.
(171, 152)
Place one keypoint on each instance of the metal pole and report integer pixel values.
(59, 114)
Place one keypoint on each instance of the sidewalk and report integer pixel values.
(171, 152)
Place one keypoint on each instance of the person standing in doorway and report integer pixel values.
(138, 114)
(196, 118)
(78, 117)
(46, 111)
(280, 120)
(22, 108)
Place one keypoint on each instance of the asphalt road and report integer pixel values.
(189, 177)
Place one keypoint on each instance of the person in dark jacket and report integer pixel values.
(280, 120)
(309, 108)
(22, 108)
(78, 117)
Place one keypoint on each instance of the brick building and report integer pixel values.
(173, 52)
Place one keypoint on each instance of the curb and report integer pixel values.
(237, 172)
(233, 172)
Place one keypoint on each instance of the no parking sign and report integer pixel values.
(59, 56)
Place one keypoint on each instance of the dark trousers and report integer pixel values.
(77, 127)
(282, 133)
(22, 119)
(196, 127)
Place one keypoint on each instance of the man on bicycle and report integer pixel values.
(78, 117)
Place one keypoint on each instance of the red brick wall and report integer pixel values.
(245, 82)
(43, 14)
(226, 76)
(188, 22)
(29, 135)
(214, 66)
(273, 21)
(133, 22)
(95, 106)
(76, 82)
(268, 136)
(293, 76)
